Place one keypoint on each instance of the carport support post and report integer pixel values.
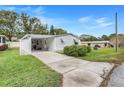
(116, 31)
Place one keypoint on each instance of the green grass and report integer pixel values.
(25, 71)
(105, 55)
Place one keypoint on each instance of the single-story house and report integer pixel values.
(2, 39)
(31, 42)
(92, 44)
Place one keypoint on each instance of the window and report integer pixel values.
(0, 39)
(62, 40)
(75, 42)
(4, 40)
(89, 44)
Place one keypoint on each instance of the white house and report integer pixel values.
(2, 39)
(31, 42)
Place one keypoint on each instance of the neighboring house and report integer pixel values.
(14, 39)
(3, 44)
(30, 42)
(120, 40)
(2, 39)
(92, 44)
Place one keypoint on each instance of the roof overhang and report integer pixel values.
(95, 42)
(4, 36)
(37, 36)
(33, 36)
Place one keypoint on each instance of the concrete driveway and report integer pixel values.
(76, 72)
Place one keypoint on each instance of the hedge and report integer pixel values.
(76, 50)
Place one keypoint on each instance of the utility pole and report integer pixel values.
(116, 31)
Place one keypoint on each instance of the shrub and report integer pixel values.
(88, 49)
(76, 50)
(66, 49)
(82, 50)
(95, 48)
(71, 50)
(3, 47)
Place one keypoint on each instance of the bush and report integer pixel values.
(76, 50)
(66, 49)
(71, 50)
(82, 50)
(88, 49)
(3, 47)
(95, 48)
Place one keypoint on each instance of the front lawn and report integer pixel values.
(105, 55)
(25, 71)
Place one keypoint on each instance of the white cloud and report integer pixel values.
(35, 11)
(12, 8)
(84, 19)
(39, 10)
(103, 22)
(24, 9)
(53, 21)
(90, 22)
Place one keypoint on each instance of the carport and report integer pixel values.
(32, 43)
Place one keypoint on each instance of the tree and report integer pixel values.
(52, 32)
(59, 31)
(33, 25)
(26, 23)
(112, 35)
(105, 37)
(14, 24)
(85, 37)
(7, 23)
(40, 29)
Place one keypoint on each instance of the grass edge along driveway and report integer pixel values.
(106, 55)
(25, 71)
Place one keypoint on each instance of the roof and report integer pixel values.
(2, 36)
(37, 36)
(96, 42)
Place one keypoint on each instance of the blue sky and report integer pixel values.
(92, 20)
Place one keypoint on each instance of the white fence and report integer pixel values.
(13, 44)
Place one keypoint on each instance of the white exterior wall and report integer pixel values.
(102, 45)
(51, 44)
(25, 46)
(68, 40)
(1, 43)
